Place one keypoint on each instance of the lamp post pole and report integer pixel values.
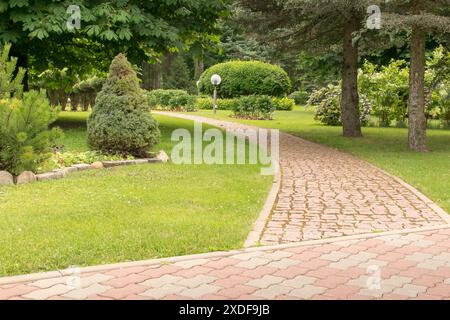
(215, 80)
(215, 99)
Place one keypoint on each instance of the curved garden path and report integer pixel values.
(325, 193)
(364, 233)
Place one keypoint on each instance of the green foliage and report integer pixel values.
(120, 122)
(207, 103)
(141, 27)
(85, 92)
(171, 99)
(327, 101)
(387, 89)
(439, 107)
(254, 107)
(67, 159)
(284, 104)
(10, 81)
(300, 97)
(179, 76)
(24, 135)
(240, 78)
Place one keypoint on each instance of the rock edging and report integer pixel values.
(27, 176)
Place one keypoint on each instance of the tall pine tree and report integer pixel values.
(317, 26)
(420, 18)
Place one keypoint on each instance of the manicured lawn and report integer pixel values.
(384, 147)
(127, 213)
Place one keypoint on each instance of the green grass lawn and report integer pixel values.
(384, 147)
(127, 213)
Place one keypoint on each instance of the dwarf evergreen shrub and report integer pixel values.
(121, 122)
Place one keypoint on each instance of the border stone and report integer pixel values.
(6, 178)
(81, 167)
(25, 177)
(48, 176)
(97, 165)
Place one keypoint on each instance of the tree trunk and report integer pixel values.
(199, 67)
(350, 98)
(416, 104)
(22, 62)
(151, 76)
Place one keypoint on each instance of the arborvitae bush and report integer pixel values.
(120, 122)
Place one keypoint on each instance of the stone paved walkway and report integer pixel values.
(326, 193)
(412, 266)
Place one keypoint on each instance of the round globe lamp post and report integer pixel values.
(215, 80)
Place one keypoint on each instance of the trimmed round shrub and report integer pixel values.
(283, 104)
(121, 122)
(241, 78)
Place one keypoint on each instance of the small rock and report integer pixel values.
(61, 173)
(81, 167)
(48, 176)
(163, 156)
(70, 169)
(97, 165)
(25, 177)
(110, 164)
(6, 178)
(140, 161)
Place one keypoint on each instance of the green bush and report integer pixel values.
(120, 122)
(171, 99)
(206, 103)
(300, 97)
(387, 89)
(25, 139)
(283, 104)
(254, 107)
(85, 92)
(327, 101)
(241, 78)
(10, 80)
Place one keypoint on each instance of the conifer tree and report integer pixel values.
(121, 122)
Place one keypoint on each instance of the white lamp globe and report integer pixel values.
(216, 79)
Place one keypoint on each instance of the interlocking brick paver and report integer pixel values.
(83, 293)
(265, 281)
(43, 294)
(312, 278)
(165, 290)
(299, 281)
(307, 291)
(272, 291)
(196, 281)
(158, 282)
(199, 291)
(410, 290)
(121, 293)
